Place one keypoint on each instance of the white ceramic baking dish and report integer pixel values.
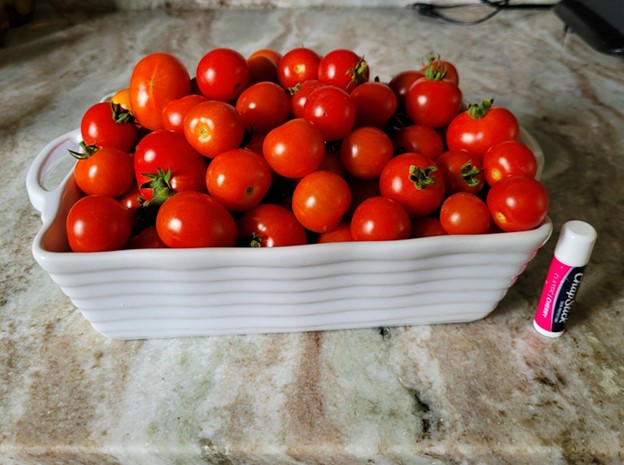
(158, 293)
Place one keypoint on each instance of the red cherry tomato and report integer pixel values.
(213, 127)
(375, 103)
(518, 203)
(464, 213)
(97, 223)
(156, 80)
(380, 219)
(222, 74)
(420, 139)
(445, 67)
(433, 101)
(104, 171)
(108, 125)
(161, 152)
(262, 69)
(270, 225)
(301, 92)
(147, 238)
(344, 69)
(273, 55)
(427, 226)
(175, 111)
(195, 219)
(332, 111)
(365, 151)
(294, 149)
(341, 233)
(463, 171)
(414, 181)
(480, 127)
(297, 65)
(320, 200)
(264, 106)
(238, 179)
(401, 82)
(508, 158)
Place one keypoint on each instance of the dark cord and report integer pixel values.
(432, 10)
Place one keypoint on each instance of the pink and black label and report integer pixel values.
(560, 288)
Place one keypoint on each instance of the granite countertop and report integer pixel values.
(488, 392)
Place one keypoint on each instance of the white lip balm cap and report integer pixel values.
(576, 242)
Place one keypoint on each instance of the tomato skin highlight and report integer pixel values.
(365, 151)
(296, 66)
(433, 103)
(332, 111)
(97, 223)
(518, 203)
(343, 68)
(508, 158)
(194, 219)
(156, 79)
(264, 106)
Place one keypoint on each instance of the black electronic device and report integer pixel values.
(600, 23)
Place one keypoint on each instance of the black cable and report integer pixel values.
(431, 10)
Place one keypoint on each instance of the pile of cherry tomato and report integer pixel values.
(276, 150)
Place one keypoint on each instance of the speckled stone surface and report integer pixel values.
(488, 392)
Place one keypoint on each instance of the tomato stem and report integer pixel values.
(469, 174)
(87, 151)
(160, 183)
(421, 176)
(436, 70)
(479, 110)
(120, 114)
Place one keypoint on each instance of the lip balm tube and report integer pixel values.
(572, 252)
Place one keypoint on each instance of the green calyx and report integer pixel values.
(160, 183)
(469, 174)
(87, 151)
(435, 70)
(420, 177)
(479, 110)
(358, 72)
(120, 114)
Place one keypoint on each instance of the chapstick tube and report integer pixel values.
(572, 252)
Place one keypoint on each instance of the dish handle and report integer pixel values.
(42, 198)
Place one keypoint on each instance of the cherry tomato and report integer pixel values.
(427, 226)
(147, 238)
(414, 181)
(104, 171)
(508, 158)
(238, 179)
(270, 225)
(344, 69)
(262, 69)
(362, 189)
(297, 65)
(518, 203)
(213, 127)
(420, 139)
(264, 106)
(464, 213)
(463, 171)
(294, 149)
(301, 92)
(170, 164)
(445, 67)
(273, 55)
(401, 82)
(375, 103)
(320, 200)
(97, 223)
(195, 219)
(365, 151)
(332, 111)
(175, 111)
(107, 124)
(380, 219)
(433, 101)
(122, 98)
(341, 233)
(480, 127)
(222, 74)
(156, 79)
(332, 163)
